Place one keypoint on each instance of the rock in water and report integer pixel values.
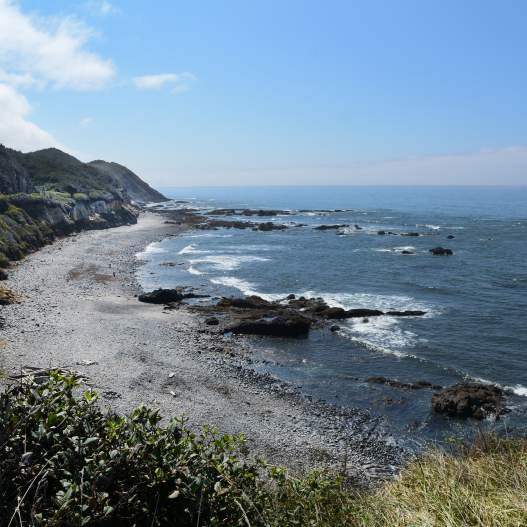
(270, 226)
(361, 313)
(292, 327)
(162, 296)
(441, 251)
(337, 313)
(469, 400)
(333, 313)
(250, 302)
(3, 275)
(406, 313)
(330, 227)
(212, 321)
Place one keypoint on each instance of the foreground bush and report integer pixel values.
(64, 462)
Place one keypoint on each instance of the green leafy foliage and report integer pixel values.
(66, 462)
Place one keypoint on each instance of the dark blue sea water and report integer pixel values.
(476, 300)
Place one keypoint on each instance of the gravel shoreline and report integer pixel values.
(79, 311)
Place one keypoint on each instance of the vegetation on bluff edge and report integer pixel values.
(66, 462)
(30, 221)
(49, 193)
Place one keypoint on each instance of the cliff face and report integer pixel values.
(29, 221)
(135, 187)
(48, 193)
(14, 177)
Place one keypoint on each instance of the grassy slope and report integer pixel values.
(56, 170)
(64, 462)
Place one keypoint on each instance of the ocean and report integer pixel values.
(476, 300)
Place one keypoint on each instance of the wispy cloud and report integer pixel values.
(85, 122)
(177, 82)
(51, 51)
(101, 7)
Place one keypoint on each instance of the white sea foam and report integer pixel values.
(247, 288)
(245, 248)
(404, 248)
(208, 235)
(382, 334)
(371, 301)
(150, 249)
(226, 262)
(193, 270)
(517, 389)
(430, 226)
(396, 249)
(191, 249)
(364, 229)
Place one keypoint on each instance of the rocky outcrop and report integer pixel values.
(14, 177)
(255, 315)
(393, 383)
(249, 212)
(212, 224)
(330, 227)
(336, 313)
(168, 296)
(441, 251)
(292, 326)
(467, 400)
(161, 296)
(249, 302)
(409, 313)
(270, 226)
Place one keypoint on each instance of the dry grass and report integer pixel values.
(484, 485)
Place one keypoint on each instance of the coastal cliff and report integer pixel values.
(48, 193)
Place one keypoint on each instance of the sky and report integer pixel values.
(274, 92)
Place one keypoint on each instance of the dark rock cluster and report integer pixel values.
(168, 296)
(289, 317)
(474, 400)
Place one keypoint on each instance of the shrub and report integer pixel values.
(66, 462)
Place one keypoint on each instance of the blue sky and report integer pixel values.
(273, 92)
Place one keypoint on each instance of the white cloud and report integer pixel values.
(15, 130)
(85, 121)
(37, 53)
(50, 51)
(101, 7)
(178, 82)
